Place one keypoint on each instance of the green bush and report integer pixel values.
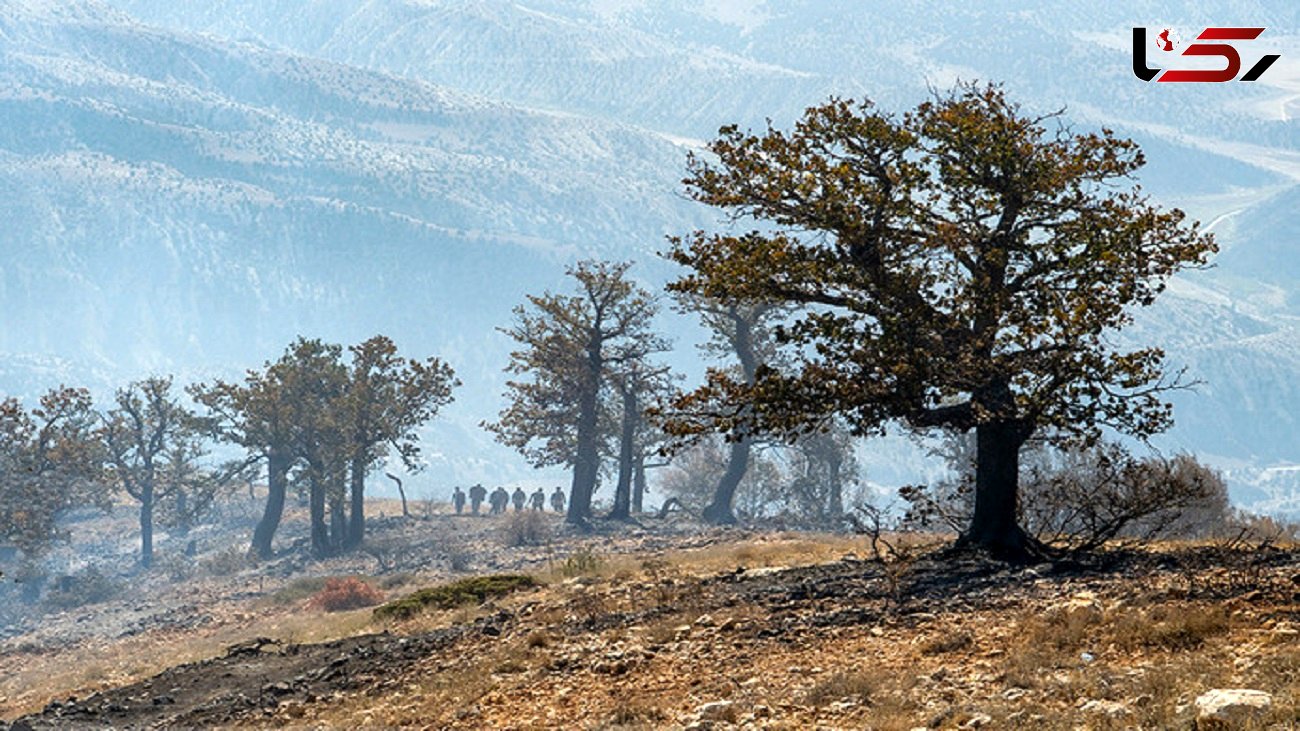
(475, 590)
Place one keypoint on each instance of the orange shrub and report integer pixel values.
(348, 592)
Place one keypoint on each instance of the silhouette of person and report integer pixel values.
(458, 499)
(557, 500)
(500, 499)
(519, 498)
(538, 500)
(477, 494)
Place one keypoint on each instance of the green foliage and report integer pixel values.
(568, 344)
(475, 590)
(572, 348)
(967, 264)
(330, 419)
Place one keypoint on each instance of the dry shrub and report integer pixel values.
(88, 586)
(945, 643)
(528, 528)
(1079, 499)
(638, 714)
(583, 562)
(226, 563)
(1169, 628)
(343, 593)
(853, 686)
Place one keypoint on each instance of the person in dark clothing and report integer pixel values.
(557, 500)
(477, 494)
(519, 498)
(538, 501)
(500, 499)
(458, 500)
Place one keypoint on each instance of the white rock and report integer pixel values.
(1233, 706)
(1113, 709)
(715, 711)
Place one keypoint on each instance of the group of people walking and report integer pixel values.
(499, 500)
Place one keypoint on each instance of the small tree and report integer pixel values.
(263, 415)
(51, 460)
(386, 400)
(145, 431)
(822, 465)
(963, 267)
(570, 344)
(636, 382)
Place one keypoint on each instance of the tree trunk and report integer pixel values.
(401, 492)
(182, 512)
(835, 506)
(146, 526)
(357, 525)
(994, 527)
(623, 491)
(277, 483)
(719, 511)
(586, 465)
(320, 537)
(338, 518)
(638, 484)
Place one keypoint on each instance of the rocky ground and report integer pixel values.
(658, 627)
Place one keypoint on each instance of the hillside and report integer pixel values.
(665, 627)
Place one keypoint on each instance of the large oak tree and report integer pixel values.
(964, 265)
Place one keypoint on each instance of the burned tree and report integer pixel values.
(964, 266)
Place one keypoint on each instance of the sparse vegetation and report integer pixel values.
(473, 590)
(581, 563)
(947, 642)
(528, 528)
(844, 685)
(88, 586)
(230, 561)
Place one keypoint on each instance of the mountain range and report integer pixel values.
(185, 187)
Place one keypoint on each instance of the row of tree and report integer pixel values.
(961, 267)
(314, 418)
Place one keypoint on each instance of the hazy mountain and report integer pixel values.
(188, 186)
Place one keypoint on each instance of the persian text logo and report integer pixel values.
(1167, 41)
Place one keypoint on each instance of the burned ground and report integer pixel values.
(779, 631)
